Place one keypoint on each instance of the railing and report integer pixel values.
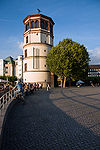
(6, 98)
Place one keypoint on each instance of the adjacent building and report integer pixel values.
(9, 65)
(1, 67)
(19, 67)
(38, 40)
(94, 71)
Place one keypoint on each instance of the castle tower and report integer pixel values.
(38, 39)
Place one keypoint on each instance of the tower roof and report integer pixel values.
(38, 15)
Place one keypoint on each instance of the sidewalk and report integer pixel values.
(59, 119)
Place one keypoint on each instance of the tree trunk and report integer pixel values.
(70, 84)
(61, 83)
(64, 82)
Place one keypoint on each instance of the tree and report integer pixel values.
(69, 60)
(10, 78)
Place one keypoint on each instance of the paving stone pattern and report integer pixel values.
(59, 119)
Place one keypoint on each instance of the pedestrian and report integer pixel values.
(26, 89)
(38, 86)
(48, 87)
(34, 86)
(19, 90)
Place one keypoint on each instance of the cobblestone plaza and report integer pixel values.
(59, 119)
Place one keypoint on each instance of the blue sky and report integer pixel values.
(76, 19)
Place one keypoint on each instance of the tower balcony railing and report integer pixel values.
(36, 29)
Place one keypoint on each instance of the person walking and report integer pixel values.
(34, 86)
(19, 89)
(48, 87)
(38, 86)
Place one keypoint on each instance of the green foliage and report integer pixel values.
(3, 77)
(68, 59)
(10, 78)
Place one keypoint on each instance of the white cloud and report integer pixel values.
(94, 56)
(20, 44)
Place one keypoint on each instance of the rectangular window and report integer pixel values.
(26, 53)
(37, 52)
(27, 39)
(25, 66)
(37, 63)
(37, 58)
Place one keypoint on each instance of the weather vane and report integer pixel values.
(39, 11)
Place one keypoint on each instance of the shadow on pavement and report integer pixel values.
(41, 125)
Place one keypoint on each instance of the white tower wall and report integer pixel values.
(37, 43)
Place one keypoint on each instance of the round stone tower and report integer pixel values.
(38, 39)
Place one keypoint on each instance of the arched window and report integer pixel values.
(28, 26)
(42, 24)
(46, 25)
(51, 28)
(32, 24)
(37, 24)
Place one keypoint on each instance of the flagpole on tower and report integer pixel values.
(39, 11)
